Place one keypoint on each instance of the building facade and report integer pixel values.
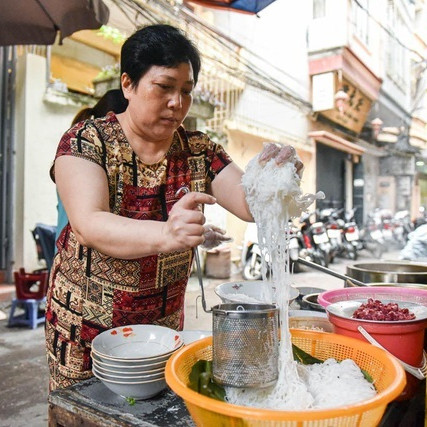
(342, 81)
(364, 63)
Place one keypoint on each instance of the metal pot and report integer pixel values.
(389, 272)
(310, 300)
(350, 284)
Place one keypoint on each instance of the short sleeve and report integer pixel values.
(83, 140)
(216, 158)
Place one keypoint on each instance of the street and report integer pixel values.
(23, 368)
(307, 278)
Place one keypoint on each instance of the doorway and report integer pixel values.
(330, 176)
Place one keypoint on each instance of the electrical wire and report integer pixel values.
(253, 75)
(390, 33)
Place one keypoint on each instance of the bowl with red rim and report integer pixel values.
(130, 366)
(130, 360)
(136, 343)
(138, 389)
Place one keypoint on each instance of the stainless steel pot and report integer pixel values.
(389, 272)
(350, 284)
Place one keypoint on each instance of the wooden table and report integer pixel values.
(90, 404)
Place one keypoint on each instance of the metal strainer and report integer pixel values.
(245, 344)
(245, 339)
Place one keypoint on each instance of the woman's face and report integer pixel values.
(160, 102)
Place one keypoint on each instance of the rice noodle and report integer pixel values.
(243, 298)
(274, 197)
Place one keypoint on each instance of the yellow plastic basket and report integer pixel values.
(388, 375)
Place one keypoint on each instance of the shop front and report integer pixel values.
(343, 91)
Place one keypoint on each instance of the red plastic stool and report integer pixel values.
(29, 299)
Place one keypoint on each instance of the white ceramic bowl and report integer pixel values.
(254, 292)
(140, 368)
(126, 376)
(134, 362)
(191, 336)
(138, 390)
(136, 342)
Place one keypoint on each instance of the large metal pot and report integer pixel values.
(350, 284)
(389, 272)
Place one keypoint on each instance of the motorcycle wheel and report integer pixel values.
(352, 253)
(295, 267)
(377, 250)
(321, 258)
(252, 272)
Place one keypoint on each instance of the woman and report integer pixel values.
(125, 256)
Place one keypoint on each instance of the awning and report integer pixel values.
(244, 6)
(336, 142)
(39, 21)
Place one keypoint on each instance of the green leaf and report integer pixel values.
(201, 380)
(197, 369)
(130, 400)
(303, 357)
(367, 376)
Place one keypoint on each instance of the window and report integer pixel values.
(396, 57)
(319, 9)
(361, 20)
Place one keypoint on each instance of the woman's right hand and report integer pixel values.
(184, 227)
(282, 154)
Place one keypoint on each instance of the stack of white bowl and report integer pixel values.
(131, 360)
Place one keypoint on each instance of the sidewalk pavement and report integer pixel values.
(23, 367)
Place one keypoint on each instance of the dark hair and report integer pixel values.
(113, 100)
(83, 114)
(161, 45)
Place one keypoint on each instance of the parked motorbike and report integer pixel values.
(351, 240)
(316, 240)
(402, 226)
(334, 225)
(372, 237)
(251, 253)
(343, 233)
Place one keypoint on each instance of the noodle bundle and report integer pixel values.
(274, 197)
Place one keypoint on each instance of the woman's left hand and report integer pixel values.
(214, 236)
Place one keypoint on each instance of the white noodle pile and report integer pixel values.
(331, 381)
(274, 197)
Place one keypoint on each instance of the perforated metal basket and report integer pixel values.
(245, 344)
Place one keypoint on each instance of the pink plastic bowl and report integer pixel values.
(394, 293)
(405, 340)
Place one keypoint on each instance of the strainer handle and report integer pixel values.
(416, 372)
(329, 271)
(199, 276)
(185, 190)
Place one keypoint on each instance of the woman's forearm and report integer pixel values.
(121, 237)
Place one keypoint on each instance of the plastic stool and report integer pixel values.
(27, 298)
(30, 317)
(24, 283)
